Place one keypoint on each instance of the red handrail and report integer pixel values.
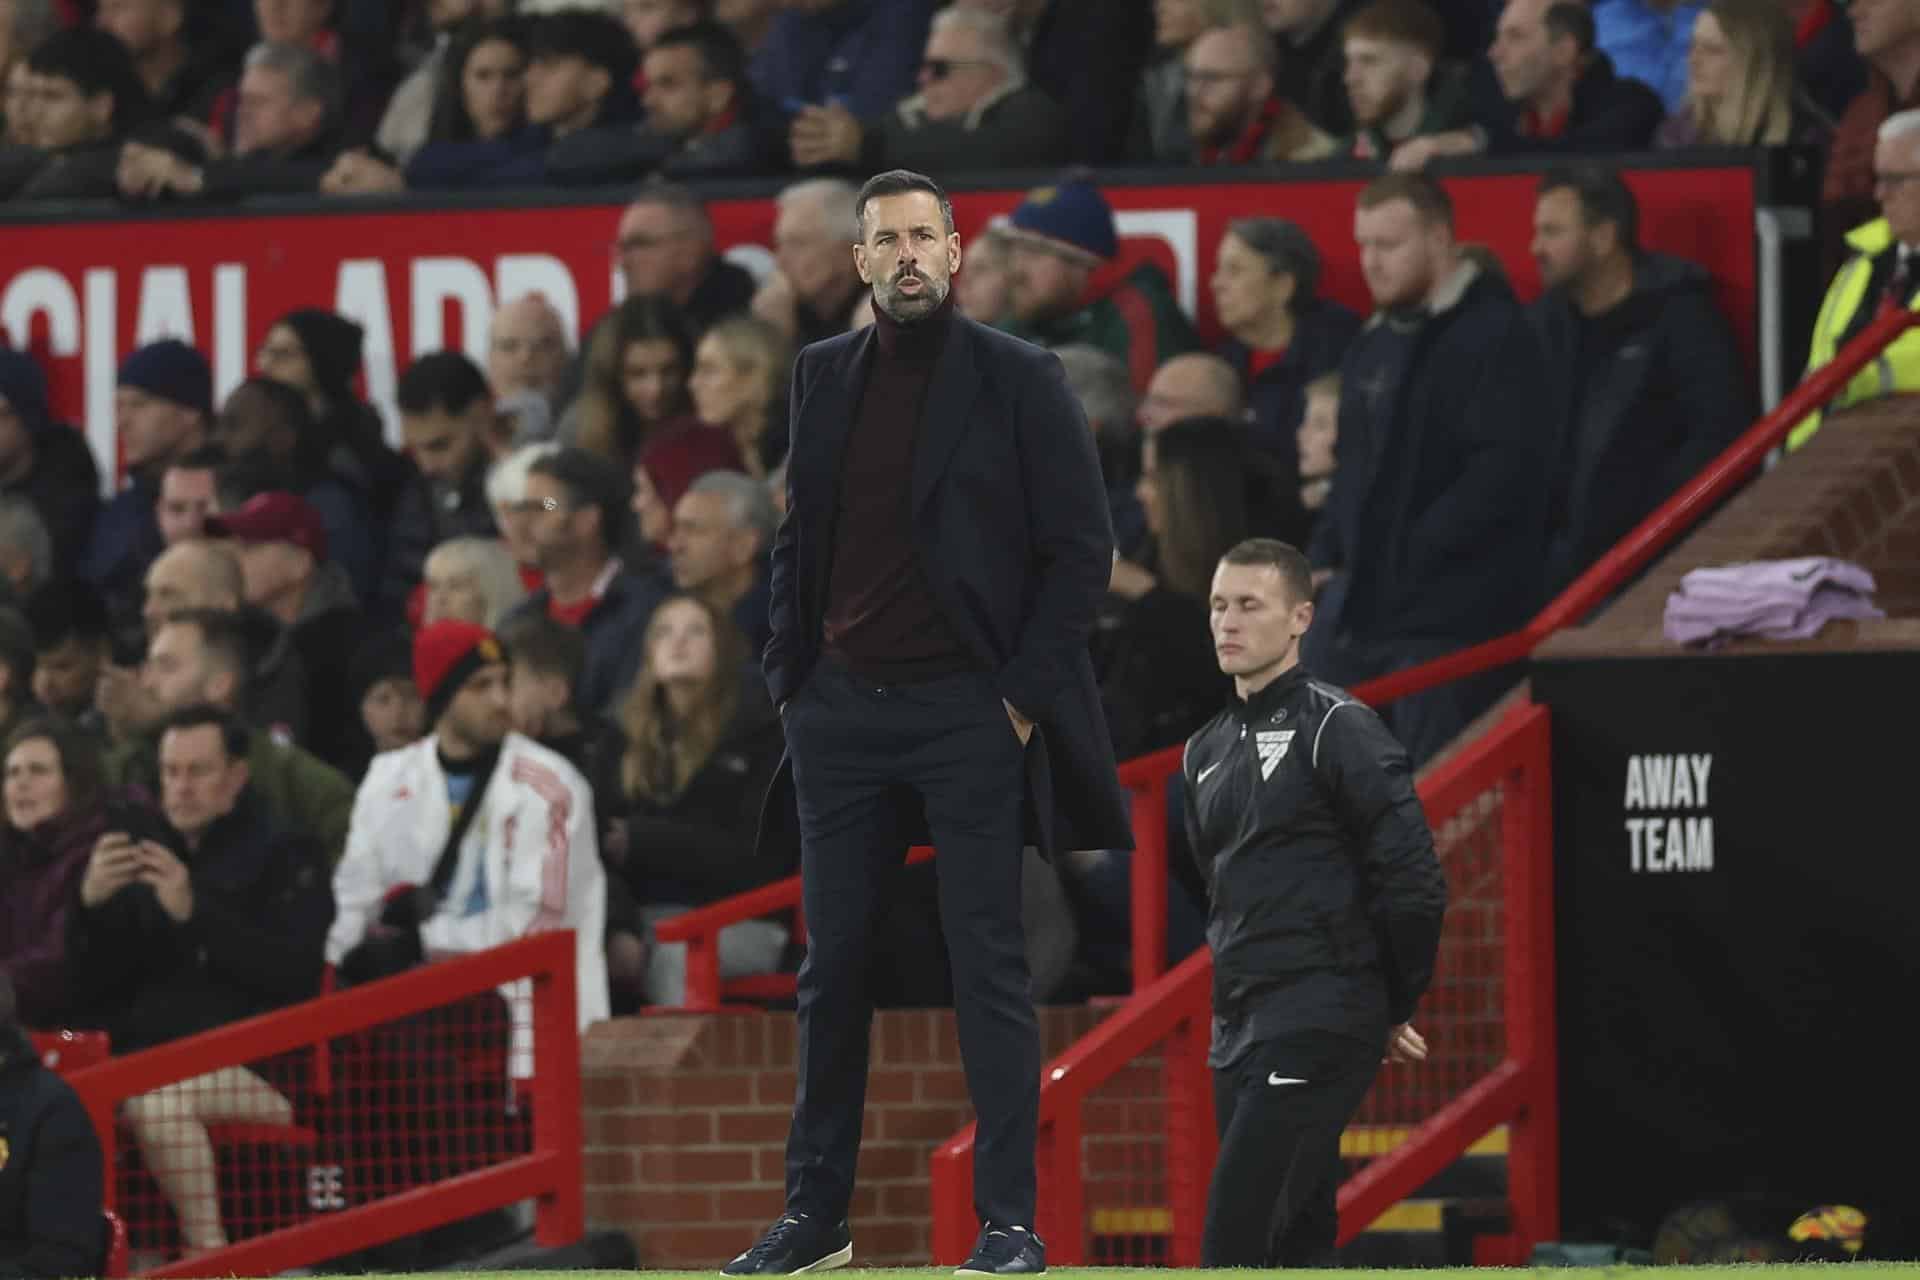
(552, 1173)
(1658, 531)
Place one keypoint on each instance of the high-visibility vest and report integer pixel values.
(1895, 369)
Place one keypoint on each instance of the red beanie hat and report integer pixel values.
(675, 460)
(445, 655)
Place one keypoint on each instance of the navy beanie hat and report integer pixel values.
(171, 370)
(1073, 215)
(333, 345)
(23, 387)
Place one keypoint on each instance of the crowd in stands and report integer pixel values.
(295, 697)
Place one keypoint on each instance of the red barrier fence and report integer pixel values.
(348, 1121)
(1127, 1137)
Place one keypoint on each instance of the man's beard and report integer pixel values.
(905, 307)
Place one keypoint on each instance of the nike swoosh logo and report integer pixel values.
(1202, 775)
(1277, 1078)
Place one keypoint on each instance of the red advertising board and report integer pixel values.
(82, 294)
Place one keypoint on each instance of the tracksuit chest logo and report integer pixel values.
(1271, 744)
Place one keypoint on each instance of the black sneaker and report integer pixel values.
(794, 1246)
(1006, 1251)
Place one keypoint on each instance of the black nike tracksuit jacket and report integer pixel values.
(1325, 894)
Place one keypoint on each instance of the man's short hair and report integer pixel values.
(1572, 20)
(595, 37)
(721, 57)
(997, 42)
(590, 481)
(898, 182)
(208, 457)
(22, 529)
(441, 382)
(312, 77)
(681, 199)
(1428, 198)
(749, 505)
(234, 738)
(1286, 248)
(1284, 558)
(1603, 197)
(96, 63)
(836, 199)
(223, 640)
(547, 647)
(1408, 22)
(1102, 384)
(62, 611)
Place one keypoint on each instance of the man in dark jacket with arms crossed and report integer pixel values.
(1324, 907)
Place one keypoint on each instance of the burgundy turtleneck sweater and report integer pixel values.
(881, 619)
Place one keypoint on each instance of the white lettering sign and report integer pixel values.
(1670, 842)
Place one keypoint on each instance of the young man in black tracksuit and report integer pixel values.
(1325, 902)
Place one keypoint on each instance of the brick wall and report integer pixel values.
(686, 1128)
(1852, 492)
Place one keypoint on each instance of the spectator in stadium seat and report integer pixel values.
(285, 135)
(273, 445)
(1194, 385)
(1281, 334)
(187, 924)
(859, 53)
(16, 670)
(1316, 442)
(1100, 383)
(474, 580)
(26, 551)
(182, 77)
(1310, 57)
(391, 713)
(664, 245)
(751, 21)
(635, 382)
(1826, 63)
(1561, 93)
(71, 646)
(1086, 55)
(1234, 114)
(1442, 534)
(1652, 384)
(206, 574)
(579, 521)
(447, 419)
(1740, 89)
(1151, 645)
(667, 468)
(1650, 40)
(52, 1187)
(23, 24)
(702, 744)
(318, 353)
(739, 384)
(981, 288)
(45, 461)
(1398, 87)
(188, 494)
(282, 545)
(975, 110)
(408, 121)
(21, 105)
(201, 657)
(528, 349)
(163, 402)
(507, 494)
(470, 837)
(55, 802)
(1887, 35)
(814, 291)
(1158, 132)
(702, 119)
(1883, 272)
(1067, 287)
(722, 533)
(88, 98)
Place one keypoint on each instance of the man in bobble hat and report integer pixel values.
(1068, 286)
(471, 837)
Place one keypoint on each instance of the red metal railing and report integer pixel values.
(1144, 1161)
(387, 1188)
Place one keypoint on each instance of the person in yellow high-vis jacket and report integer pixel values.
(1862, 286)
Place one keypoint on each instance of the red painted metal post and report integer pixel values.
(1063, 1187)
(1192, 1141)
(1533, 1159)
(557, 1128)
(703, 972)
(954, 1227)
(1149, 882)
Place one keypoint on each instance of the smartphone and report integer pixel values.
(139, 824)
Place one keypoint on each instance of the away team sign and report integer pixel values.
(81, 295)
